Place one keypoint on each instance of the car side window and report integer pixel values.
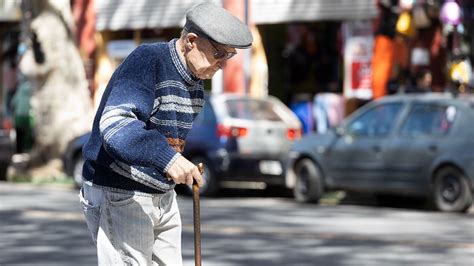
(252, 109)
(428, 119)
(377, 121)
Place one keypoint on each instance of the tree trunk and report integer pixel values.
(60, 102)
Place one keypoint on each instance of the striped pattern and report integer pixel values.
(138, 176)
(128, 117)
(179, 85)
(171, 123)
(115, 118)
(179, 66)
(178, 104)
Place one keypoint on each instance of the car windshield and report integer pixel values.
(252, 109)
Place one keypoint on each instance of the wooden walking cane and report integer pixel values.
(197, 220)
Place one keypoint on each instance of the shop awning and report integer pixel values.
(140, 14)
(10, 10)
(279, 11)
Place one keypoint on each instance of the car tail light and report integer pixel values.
(293, 133)
(7, 124)
(231, 131)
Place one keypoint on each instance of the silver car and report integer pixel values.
(419, 145)
(242, 141)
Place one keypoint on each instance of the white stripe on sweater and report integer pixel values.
(179, 108)
(171, 123)
(126, 106)
(179, 85)
(109, 133)
(176, 99)
(137, 175)
(181, 100)
(114, 115)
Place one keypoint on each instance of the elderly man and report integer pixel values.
(132, 159)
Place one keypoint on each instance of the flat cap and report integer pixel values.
(219, 25)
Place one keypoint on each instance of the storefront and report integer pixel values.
(306, 46)
(122, 25)
(128, 24)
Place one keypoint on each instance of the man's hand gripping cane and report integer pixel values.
(182, 171)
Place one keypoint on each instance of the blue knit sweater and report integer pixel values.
(141, 124)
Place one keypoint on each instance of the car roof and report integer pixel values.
(448, 98)
(234, 96)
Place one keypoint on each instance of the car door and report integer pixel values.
(202, 137)
(356, 157)
(417, 144)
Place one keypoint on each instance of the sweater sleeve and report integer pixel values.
(127, 108)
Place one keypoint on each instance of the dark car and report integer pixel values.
(73, 160)
(242, 142)
(7, 144)
(420, 145)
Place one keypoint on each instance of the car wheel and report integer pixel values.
(3, 172)
(78, 164)
(211, 185)
(309, 181)
(451, 191)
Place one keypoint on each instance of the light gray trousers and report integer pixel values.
(131, 229)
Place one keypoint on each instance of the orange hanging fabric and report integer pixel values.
(381, 65)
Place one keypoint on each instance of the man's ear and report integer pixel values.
(190, 40)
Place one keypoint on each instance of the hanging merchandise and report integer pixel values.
(420, 18)
(461, 72)
(450, 13)
(406, 4)
(405, 24)
(432, 9)
(382, 63)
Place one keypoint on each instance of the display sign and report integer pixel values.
(358, 47)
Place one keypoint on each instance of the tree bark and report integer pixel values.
(61, 104)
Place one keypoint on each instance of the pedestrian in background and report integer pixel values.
(132, 159)
(422, 82)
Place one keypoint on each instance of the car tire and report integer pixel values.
(3, 172)
(309, 185)
(211, 185)
(77, 165)
(451, 191)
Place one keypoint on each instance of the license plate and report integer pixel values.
(270, 167)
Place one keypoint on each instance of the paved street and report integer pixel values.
(44, 226)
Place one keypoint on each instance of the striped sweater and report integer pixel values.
(141, 124)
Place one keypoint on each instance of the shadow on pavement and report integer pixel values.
(43, 237)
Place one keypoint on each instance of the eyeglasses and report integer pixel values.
(221, 54)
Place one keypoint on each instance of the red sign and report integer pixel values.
(361, 75)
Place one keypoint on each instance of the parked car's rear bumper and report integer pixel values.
(268, 168)
(6, 150)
